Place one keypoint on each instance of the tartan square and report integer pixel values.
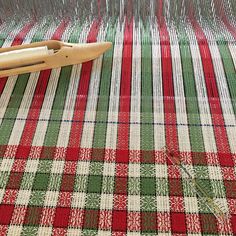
(134, 222)
(41, 181)
(162, 188)
(133, 202)
(35, 152)
(48, 152)
(177, 204)
(2, 150)
(70, 167)
(31, 166)
(10, 151)
(226, 159)
(85, 154)
(72, 154)
(83, 168)
(161, 171)
(14, 181)
(134, 156)
(163, 222)
(148, 222)
(122, 156)
(121, 184)
(218, 188)
(228, 173)
(67, 183)
(59, 232)
(232, 206)
(191, 204)
(121, 170)
(23, 197)
(148, 186)
(6, 214)
(64, 199)
(51, 198)
(60, 153)
(119, 221)
(23, 151)
(163, 203)
(98, 154)
(230, 187)
(44, 166)
(33, 215)
(47, 217)
(212, 158)
(6, 164)
(208, 223)
(110, 155)
(93, 201)
(120, 202)
(148, 203)
(160, 157)
(193, 223)
(109, 169)
(78, 200)
(4, 179)
(96, 168)
(199, 158)
(60, 221)
(3, 230)
(234, 225)
(105, 220)
(175, 187)
(80, 183)
(76, 218)
(91, 218)
(18, 215)
(14, 230)
(134, 170)
(178, 223)
(29, 230)
(9, 196)
(174, 172)
(147, 156)
(147, 170)
(94, 184)
(57, 167)
(46, 231)
(106, 202)
(18, 165)
(54, 182)
(37, 198)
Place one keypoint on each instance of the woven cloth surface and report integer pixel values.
(82, 147)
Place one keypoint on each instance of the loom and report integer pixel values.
(131, 130)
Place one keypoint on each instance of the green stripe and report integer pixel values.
(99, 139)
(60, 98)
(195, 132)
(147, 131)
(229, 70)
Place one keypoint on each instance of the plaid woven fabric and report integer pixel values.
(81, 147)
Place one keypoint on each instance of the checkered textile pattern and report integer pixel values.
(82, 147)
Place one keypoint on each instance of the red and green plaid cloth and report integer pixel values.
(81, 147)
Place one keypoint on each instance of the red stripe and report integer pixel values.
(82, 93)
(35, 108)
(2, 84)
(125, 89)
(168, 88)
(213, 95)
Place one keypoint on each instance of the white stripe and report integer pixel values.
(68, 112)
(111, 135)
(134, 141)
(181, 113)
(90, 114)
(158, 109)
(205, 114)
